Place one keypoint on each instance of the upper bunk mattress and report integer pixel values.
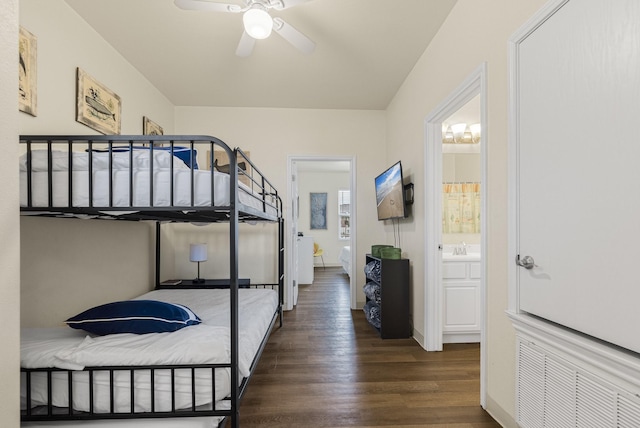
(154, 181)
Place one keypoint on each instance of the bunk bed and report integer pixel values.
(68, 375)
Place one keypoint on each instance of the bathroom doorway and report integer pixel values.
(443, 143)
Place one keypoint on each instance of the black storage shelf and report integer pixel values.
(394, 296)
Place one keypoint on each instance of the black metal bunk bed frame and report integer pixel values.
(259, 188)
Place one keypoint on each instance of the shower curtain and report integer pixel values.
(461, 208)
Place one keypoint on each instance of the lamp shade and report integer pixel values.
(257, 23)
(198, 252)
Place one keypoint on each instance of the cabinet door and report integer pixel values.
(461, 306)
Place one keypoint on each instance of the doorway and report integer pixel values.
(474, 87)
(302, 179)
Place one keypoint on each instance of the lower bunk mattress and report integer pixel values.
(206, 343)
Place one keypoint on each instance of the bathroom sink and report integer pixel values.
(461, 257)
(473, 253)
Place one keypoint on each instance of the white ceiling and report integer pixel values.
(364, 51)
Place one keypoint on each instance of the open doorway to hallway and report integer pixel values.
(322, 211)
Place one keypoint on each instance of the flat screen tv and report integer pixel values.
(390, 195)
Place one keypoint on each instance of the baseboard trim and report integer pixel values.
(499, 414)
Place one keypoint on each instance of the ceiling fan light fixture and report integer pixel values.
(257, 23)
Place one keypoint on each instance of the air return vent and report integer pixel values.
(555, 393)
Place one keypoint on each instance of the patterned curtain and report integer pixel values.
(461, 208)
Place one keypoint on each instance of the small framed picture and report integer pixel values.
(318, 210)
(27, 77)
(97, 106)
(149, 127)
(221, 164)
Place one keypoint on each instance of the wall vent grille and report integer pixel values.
(559, 395)
(628, 413)
(554, 393)
(531, 387)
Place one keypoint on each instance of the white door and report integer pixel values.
(295, 206)
(578, 170)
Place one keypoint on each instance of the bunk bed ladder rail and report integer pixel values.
(137, 375)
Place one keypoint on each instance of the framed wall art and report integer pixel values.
(221, 164)
(149, 127)
(318, 210)
(97, 106)
(27, 73)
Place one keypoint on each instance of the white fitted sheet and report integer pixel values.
(208, 342)
(121, 179)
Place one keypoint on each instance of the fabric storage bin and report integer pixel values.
(375, 249)
(391, 253)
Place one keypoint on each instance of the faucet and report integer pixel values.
(460, 249)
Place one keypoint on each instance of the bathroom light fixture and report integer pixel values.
(198, 253)
(257, 22)
(460, 133)
(475, 132)
(447, 135)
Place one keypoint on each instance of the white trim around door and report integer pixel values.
(290, 258)
(475, 84)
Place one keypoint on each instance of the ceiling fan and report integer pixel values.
(257, 21)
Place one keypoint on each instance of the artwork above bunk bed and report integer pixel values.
(200, 370)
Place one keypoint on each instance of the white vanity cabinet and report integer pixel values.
(461, 285)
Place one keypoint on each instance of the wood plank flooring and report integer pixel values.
(327, 367)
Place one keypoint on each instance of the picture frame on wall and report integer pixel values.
(149, 127)
(27, 72)
(221, 164)
(318, 210)
(97, 106)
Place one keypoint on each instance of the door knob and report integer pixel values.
(526, 262)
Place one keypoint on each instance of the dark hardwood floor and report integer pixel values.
(326, 367)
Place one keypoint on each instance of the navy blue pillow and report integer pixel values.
(183, 153)
(134, 316)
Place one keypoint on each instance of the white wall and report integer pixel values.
(254, 241)
(327, 239)
(273, 134)
(9, 219)
(94, 262)
(65, 42)
(474, 32)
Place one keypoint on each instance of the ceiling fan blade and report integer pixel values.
(293, 36)
(207, 6)
(285, 4)
(245, 47)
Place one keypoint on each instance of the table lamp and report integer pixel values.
(198, 253)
